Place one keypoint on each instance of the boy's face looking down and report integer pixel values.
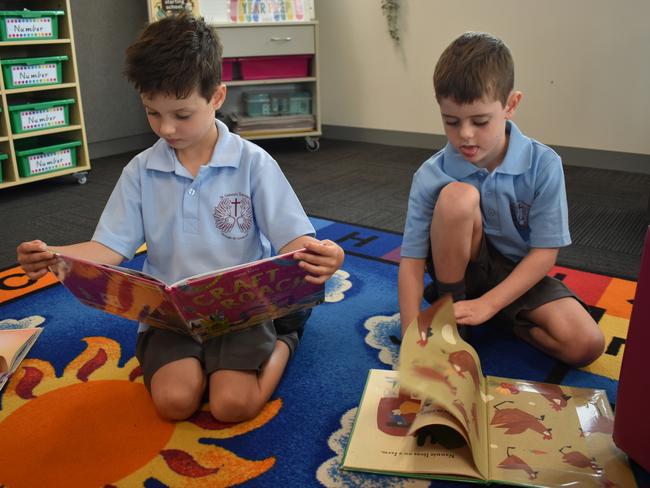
(477, 130)
(184, 123)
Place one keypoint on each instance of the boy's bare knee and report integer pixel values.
(458, 200)
(593, 347)
(176, 403)
(585, 348)
(230, 407)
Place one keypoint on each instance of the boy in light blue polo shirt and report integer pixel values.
(202, 199)
(487, 214)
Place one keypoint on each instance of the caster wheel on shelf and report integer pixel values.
(82, 178)
(312, 144)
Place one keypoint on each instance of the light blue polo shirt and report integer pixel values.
(225, 216)
(523, 201)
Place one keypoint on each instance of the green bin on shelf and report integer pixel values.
(27, 72)
(3, 157)
(28, 117)
(46, 159)
(29, 25)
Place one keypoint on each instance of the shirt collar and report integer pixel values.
(227, 152)
(516, 161)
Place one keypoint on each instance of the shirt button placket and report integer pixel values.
(190, 211)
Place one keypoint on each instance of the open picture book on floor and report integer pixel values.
(439, 417)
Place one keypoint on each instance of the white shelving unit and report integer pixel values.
(69, 88)
(242, 40)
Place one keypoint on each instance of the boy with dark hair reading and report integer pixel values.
(202, 199)
(487, 214)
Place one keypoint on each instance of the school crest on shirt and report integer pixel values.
(233, 215)
(520, 211)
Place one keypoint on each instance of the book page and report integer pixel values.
(205, 279)
(120, 291)
(442, 367)
(14, 346)
(552, 435)
(380, 441)
(66, 263)
(243, 296)
(433, 415)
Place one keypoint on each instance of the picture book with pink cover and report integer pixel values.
(203, 306)
(438, 416)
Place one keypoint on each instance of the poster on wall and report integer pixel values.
(271, 10)
(236, 11)
(162, 8)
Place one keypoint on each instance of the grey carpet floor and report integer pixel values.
(360, 183)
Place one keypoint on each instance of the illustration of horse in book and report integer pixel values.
(434, 374)
(515, 462)
(554, 394)
(517, 421)
(463, 362)
(579, 460)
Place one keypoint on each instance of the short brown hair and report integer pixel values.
(474, 66)
(175, 56)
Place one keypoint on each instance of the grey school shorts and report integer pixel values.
(243, 350)
(491, 268)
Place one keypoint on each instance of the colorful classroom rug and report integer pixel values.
(77, 414)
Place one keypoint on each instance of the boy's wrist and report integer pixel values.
(492, 302)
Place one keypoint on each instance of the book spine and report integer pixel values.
(171, 293)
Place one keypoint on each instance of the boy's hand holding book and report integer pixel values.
(35, 258)
(321, 261)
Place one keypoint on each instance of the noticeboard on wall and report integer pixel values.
(236, 11)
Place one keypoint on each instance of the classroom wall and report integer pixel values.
(582, 66)
(114, 117)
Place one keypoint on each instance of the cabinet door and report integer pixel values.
(267, 40)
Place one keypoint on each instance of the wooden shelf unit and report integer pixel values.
(273, 39)
(69, 88)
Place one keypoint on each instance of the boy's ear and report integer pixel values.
(512, 103)
(219, 96)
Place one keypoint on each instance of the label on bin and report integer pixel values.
(42, 163)
(34, 74)
(18, 28)
(40, 119)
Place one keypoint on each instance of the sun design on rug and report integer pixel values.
(384, 333)
(95, 425)
(336, 286)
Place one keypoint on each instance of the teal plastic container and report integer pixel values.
(27, 72)
(280, 103)
(28, 117)
(46, 158)
(29, 25)
(299, 103)
(257, 104)
(277, 103)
